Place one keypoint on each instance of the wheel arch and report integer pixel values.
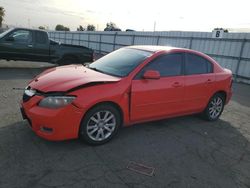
(205, 113)
(223, 93)
(82, 132)
(220, 92)
(114, 104)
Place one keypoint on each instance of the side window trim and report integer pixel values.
(182, 63)
(136, 77)
(211, 65)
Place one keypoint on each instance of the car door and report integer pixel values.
(156, 98)
(199, 82)
(41, 46)
(18, 44)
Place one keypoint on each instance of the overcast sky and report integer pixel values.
(140, 15)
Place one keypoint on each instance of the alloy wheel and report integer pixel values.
(215, 107)
(101, 125)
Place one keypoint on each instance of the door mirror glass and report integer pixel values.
(151, 74)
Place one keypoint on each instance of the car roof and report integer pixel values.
(153, 48)
(28, 29)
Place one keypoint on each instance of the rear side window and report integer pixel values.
(167, 65)
(195, 64)
(41, 37)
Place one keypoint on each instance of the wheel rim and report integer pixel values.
(215, 107)
(101, 125)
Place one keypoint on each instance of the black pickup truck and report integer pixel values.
(35, 45)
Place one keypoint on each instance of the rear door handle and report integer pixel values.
(30, 46)
(209, 81)
(177, 84)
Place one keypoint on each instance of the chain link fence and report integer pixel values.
(232, 51)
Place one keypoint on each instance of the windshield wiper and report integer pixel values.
(95, 69)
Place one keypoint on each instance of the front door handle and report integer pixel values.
(30, 46)
(177, 84)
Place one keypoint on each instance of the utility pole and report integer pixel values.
(154, 25)
(28, 23)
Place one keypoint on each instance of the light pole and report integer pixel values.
(28, 23)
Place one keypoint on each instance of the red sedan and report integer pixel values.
(131, 85)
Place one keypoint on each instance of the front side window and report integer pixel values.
(195, 64)
(21, 36)
(167, 65)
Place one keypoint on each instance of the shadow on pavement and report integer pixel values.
(20, 73)
(11, 70)
(184, 151)
(241, 97)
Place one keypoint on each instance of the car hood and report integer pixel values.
(66, 78)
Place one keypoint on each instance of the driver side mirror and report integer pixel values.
(11, 39)
(151, 74)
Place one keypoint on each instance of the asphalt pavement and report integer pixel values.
(182, 152)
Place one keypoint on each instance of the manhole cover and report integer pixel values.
(140, 168)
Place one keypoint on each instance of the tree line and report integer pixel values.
(2, 13)
(110, 26)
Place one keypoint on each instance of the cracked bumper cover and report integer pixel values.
(64, 122)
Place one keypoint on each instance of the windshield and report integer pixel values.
(5, 32)
(120, 62)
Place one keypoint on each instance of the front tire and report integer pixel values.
(214, 108)
(100, 124)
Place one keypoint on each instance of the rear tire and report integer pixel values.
(214, 108)
(100, 124)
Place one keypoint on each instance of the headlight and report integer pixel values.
(30, 92)
(56, 101)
